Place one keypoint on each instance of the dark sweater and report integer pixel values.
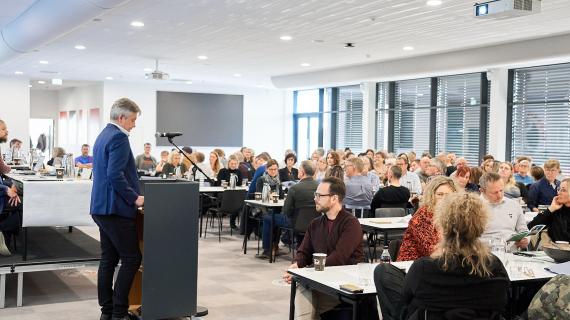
(286, 175)
(557, 223)
(225, 174)
(343, 245)
(390, 197)
(541, 192)
(168, 168)
(428, 287)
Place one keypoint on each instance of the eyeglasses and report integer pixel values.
(551, 170)
(318, 195)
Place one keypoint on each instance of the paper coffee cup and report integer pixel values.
(319, 260)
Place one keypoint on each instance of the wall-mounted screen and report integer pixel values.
(205, 119)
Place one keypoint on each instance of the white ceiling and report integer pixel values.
(242, 36)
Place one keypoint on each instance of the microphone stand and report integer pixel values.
(195, 167)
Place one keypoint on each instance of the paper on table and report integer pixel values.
(560, 268)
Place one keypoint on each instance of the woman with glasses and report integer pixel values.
(321, 171)
(544, 190)
(421, 236)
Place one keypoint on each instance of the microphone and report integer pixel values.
(169, 135)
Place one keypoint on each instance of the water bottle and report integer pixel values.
(233, 181)
(178, 172)
(385, 256)
(266, 193)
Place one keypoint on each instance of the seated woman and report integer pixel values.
(289, 173)
(368, 171)
(334, 170)
(461, 178)
(488, 166)
(174, 163)
(163, 160)
(512, 189)
(461, 279)
(215, 163)
(203, 166)
(270, 177)
(57, 159)
(557, 216)
(321, 169)
(543, 191)
(246, 164)
(421, 236)
(225, 174)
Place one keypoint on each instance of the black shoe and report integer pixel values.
(234, 227)
(105, 316)
(264, 255)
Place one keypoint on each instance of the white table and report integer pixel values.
(218, 189)
(519, 269)
(384, 226)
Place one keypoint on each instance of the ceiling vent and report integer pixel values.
(157, 74)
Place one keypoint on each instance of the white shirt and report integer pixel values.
(411, 181)
(505, 219)
(120, 128)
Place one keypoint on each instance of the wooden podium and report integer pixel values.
(166, 284)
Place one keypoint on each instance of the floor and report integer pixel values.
(230, 284)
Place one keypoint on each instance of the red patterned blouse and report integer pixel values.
(420, 238)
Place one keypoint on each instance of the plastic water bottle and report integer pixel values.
(385, 257)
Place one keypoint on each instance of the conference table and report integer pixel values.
(212, 191)
(520, 269)
(373, 226)
(272, 207)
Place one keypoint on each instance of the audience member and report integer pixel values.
(225, 173)
(512, 189)
(270, 177)
(409, 179)
(289, 172)
(208, 173)
(536, 173)
(461, 177)
(422, 171)
(414, 165)
(163, 160)
(421, 236)
(488, 165)
(392, 196)
(461, 279)
(506, 216)
(221, 158)
(557, 216)
(146, 161)
(337, 234)
(379, 166)
(4, 168)
(333, 161)
(57, 157)
(544, 190)
(173, 164)
(321, 169)
(475, 175)
(369, 173)
(84, 160)
(246, 165)
(317, 154)
(522, 174)
(215, 163)
(260, 162)
(8, 197)
(459, 163)
(359, 191)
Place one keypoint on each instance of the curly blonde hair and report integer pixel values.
(428, 199)
(460, 219)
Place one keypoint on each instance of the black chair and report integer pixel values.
(394, 248)
(231, 201)
(389, 212)
(302, 218)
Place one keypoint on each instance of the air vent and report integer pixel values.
(523, 5)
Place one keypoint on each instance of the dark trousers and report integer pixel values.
(389, 282)
(118, 242)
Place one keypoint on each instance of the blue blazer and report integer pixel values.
(115, 179)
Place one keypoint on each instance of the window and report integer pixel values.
(382, 114)
(307, 121)
(307, 101)
(541, 114)
(412, 116)
(458, 122)
(348, 120)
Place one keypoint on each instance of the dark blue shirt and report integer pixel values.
(542, 193)
(258, 173)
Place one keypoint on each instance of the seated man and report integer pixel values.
(543, 191)
(145, 161)
(557, 216)
(409, 179)
(8, 197)
(84, 160)
(392, 196)
(338, 234)
(359, 190)
(505, 215)
(523, 175)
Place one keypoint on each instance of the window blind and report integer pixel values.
(459, 116)
(381, 115)
(349, 118)
(412, 115)
(541, 114)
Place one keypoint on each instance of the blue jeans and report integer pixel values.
(281, 220)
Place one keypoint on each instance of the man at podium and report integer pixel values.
(115, 198)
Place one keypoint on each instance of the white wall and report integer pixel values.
(15, 109)
(44, 104)
(264, 114)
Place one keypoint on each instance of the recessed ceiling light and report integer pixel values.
(237, 75)
(44, 62)
(188, 82)
(108, 78)
(202, 57)
(305, 64)
(18, 73)
(408, 48)
(147, 69)
(137, 24)
(434, 2)
(286, 38)
(41, 82)
(80, 47)
(56, 82)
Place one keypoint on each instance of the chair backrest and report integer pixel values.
(389, 212)
(232, 200)
(394, 248)
(303, 217)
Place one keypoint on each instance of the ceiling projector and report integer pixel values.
(157, 74)
(502, 9)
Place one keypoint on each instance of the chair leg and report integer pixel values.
(219, 228)
(206, 229)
